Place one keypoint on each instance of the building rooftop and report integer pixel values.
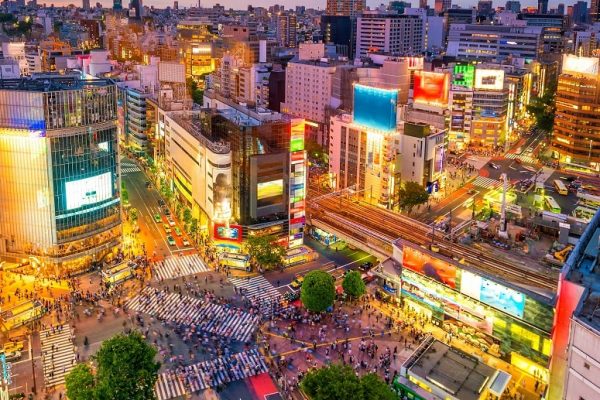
(51, 82)
(583, 268)
(193, 123)
(450, 370)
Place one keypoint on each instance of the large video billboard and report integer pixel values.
(489, 79)
(431, 88)
(429, 266)
(375, 108)
(269, 193)
(83, 192)
(580, 65)
(463, 75)
(505, 299)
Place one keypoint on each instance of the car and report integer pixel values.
(161, 202)
(171, 222)
(177, 231)
(166, 211)
(11, 355)
(492, 165)
(170, 240)
(167, 228)
(368, 277)
(366, 266)
(148, 184)
(13, 346)
(157, 218)
(186, 242)
(297, 282)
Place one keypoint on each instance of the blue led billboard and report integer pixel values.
(375, 108)
(508, 300)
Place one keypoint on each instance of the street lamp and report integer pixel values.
(590, 153)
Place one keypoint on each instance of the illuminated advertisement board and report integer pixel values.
(268, 193)
(375, 108)
(505, 299)
(489, 79)
(463, 75)
(431, 88)
(415, 63)
(580, 65)
(429, 266)
(223, 232)
(83, 192)
(297, 186)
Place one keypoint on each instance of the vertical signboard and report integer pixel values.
(297, 184)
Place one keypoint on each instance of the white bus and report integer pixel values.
(552, 205)
(560, 187)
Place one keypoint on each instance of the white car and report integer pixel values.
(12, 355)
(171, 222)
(186, 242)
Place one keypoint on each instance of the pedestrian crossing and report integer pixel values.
(129, 167)
(485, 182)
(58, 354)
(525, 159)
(258, 289)
(178, 266)
(196, 377)
(206, 316)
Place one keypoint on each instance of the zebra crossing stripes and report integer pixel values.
(127, 168)
(178, 266)
(222, 370)
(525, 159)
(256, 287)
(206, 316)
(485, 182)
(58, 354)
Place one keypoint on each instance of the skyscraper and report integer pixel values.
(117, 5)
(513, 5)
(286, 30)
(442, 5)
(542, 6)
(345, 7)
(136, 10)
(59, 153)
(85, 4)
(580, 12)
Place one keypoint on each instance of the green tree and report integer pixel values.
(543, 108)
(411, 194)
(267, 253)
(187, 216)
(124, 193)
(376, 389)
(80, 383)
(126, 368)
(318, 291)
(133, 215)
(353, 284)
(194, 228)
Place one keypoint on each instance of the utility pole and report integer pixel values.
(503, 233)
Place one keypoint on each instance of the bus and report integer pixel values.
(588, 200)
(538, 198)
(117, 274)
(560, 187)
(299, 255)
(21, 314)
(235, 260)
(552, 205)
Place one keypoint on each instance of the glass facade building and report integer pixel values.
(59, 155)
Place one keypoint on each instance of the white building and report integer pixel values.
(434, 29)
(16, 51)
(389, 33)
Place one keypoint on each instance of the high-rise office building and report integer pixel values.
(196, 45)
(513, 5)
(341, 31)
(560, 9)
(286, 30)
(580, 12)
(442, 5)
(85, 4)
(59, 155)
(485, 8)
(595, 11)
(136, 10)
(349, 8)
(542, 6)
(117, 5)
(576, 136)
(389, 33)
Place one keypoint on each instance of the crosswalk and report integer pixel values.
(259, 289)
(525, 159)
(485, 182)
(178, 266)
(196, 377)
(206, 316)
(58, 354)
(129, 167)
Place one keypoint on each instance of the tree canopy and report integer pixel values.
(318, 291)
(353, 284)
(543, 108)
(267, 253)
(125, 370)
(411, 194)
(340, 382)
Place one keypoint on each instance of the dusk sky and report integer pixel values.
(242, 4)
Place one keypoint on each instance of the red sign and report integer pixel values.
(431, 88)
(429, 266)
(232, 233)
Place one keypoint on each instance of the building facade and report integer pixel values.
(59, 156)
(389, 33)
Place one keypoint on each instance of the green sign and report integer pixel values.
(464, 75)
